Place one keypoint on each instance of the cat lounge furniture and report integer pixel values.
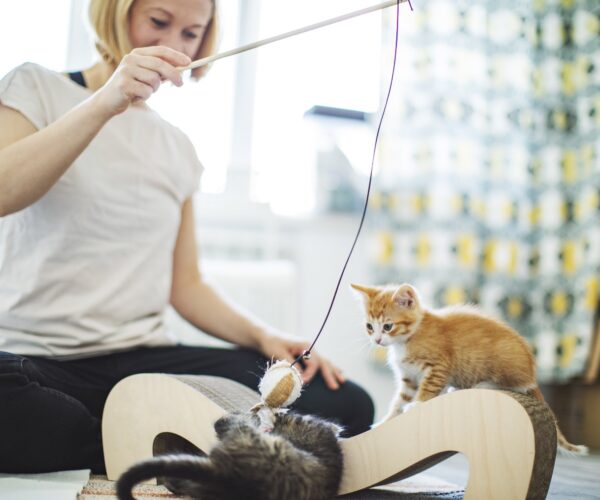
(509, 439)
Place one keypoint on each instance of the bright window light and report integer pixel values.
(204, 109)
(34, 31)
(336, 66)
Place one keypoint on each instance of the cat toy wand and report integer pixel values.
(281, 384)
(207, 60)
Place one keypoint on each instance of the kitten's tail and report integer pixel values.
(563, 445)
(189, 467)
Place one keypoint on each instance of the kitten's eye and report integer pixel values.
(369, 327)
(388, 326)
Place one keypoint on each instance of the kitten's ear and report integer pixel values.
(366, 291)
(406, 297)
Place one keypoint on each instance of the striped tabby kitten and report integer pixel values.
(458, 347)
(300, 459)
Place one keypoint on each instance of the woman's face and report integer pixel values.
(177, 24)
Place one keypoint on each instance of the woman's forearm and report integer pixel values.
(209, 311)
(31, 166)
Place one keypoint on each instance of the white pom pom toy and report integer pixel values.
(280, 387)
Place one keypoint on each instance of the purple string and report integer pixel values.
(306, 353)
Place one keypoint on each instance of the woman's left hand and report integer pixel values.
(277, 345)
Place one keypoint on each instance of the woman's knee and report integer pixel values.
(360, 410)
(356, 409)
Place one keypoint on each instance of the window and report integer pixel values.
(34, 31)
(204, 110)
(246, 118)
(336, 66)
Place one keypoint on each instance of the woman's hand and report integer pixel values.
(139, 75)
(276, 345)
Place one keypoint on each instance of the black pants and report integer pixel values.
(50, 411)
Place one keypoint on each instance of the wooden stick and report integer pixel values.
(276, 38)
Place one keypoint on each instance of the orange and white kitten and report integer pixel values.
(458, 347)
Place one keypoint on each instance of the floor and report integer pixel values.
(574, 477)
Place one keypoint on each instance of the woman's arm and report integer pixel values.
(202, 306)
(31, 161)
(198, 302)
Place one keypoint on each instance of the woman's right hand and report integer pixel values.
(139, 75)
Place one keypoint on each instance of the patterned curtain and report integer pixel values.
(488, 190)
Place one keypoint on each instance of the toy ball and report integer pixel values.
(281, 385)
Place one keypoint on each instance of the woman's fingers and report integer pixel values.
(145, 76)
(171, 56)
(282, 347)
(165, 70)
(339, 375)
(311, 367)
(139, 75)
(328, 375)
(137, 91)
(332, 375)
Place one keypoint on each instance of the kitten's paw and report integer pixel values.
(222, 425)
(229, 421)
(410, 406)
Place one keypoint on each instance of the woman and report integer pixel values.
(97, 238)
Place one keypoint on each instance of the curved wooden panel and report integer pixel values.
(141, 407)
(493, 429)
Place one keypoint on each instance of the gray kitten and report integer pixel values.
(300, 459)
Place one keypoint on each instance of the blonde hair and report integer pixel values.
(109, 19)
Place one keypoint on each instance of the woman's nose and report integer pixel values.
(171, 40)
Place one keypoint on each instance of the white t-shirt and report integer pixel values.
(87, 268)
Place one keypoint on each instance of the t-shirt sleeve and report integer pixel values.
(20, 90)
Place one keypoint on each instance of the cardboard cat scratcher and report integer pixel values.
(509, 439)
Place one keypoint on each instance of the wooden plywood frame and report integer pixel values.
(509, 439)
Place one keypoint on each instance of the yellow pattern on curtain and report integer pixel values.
(490, 171)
